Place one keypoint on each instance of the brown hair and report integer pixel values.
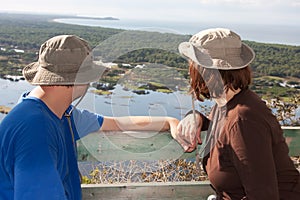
(207, 83)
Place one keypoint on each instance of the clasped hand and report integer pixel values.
(188, 132)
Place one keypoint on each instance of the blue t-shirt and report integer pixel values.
(37, 156)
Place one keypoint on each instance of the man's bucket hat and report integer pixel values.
(218, 48)
(64, 60)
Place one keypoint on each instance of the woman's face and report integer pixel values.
(205, 82)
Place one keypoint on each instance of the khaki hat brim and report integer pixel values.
(38, 75)
(189, 51)
(202, 57)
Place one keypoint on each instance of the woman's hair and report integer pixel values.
(209, 83)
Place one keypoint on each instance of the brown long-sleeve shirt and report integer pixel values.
(248, 157)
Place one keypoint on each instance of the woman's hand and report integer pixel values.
(189, 131)
(173, 124)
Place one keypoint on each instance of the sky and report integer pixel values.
(233, 11)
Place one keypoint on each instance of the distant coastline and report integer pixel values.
(93, 18)
(265, 33)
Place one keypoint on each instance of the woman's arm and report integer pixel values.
(190, 127)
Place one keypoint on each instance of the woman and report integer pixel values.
(246, 156)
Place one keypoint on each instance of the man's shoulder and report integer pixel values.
(27, 113)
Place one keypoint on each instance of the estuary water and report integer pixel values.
(120, 103)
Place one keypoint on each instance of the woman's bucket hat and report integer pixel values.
(64, 60)
(218, 48)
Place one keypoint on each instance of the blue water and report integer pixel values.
(120, 103)
(280, 34)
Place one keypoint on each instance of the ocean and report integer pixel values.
(266, 33)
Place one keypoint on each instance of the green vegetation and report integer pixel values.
(276, 60)
(154, 77)
(28, 32)
(276, 67)
(101, 92)
(270, 86)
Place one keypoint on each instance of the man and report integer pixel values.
(38, 137)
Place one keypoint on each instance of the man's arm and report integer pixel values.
(144, 123)
(138, 123)
(87, 122)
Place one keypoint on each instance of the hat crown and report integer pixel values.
(218, 48)
(64, 53)
(67, 42)
(219, 38)
(64, 60)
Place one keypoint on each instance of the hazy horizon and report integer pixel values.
(222, 11)
(267, 33)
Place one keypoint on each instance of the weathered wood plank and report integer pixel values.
(107, 146)
(292, 135)
(141, 191)
(151, 146)
(129, 146)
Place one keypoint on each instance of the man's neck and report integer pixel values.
(56, 98)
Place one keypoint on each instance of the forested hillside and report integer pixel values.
(21, 36)
(27, 32)
(276, 60)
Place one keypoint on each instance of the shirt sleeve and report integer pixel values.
(251, 143)
(205, 120)
(86, 122)
(35, 169)
(205, 123)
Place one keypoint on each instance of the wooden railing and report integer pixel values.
(119, 146)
